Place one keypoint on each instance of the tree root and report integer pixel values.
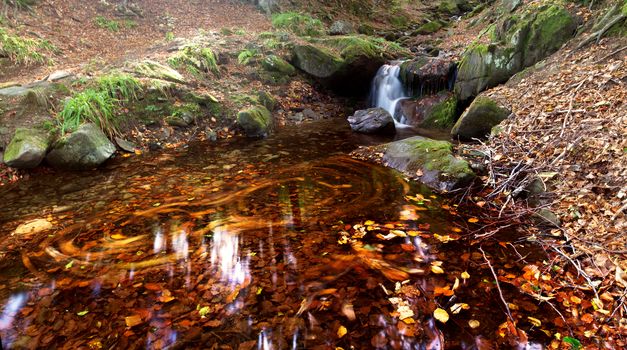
(599, 34)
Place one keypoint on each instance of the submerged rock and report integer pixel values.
(85, 148)
(428, 161)
(27, 149)
(479, 119)
(371, 121)
(256, 121)
(519, 41)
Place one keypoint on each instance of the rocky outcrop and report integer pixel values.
(256, 121)
(156, 70)
(519, 41)
(430, 112)
(341, 28)
(84, 149)
(428, 75)
(346, 64)
(372, 121)
(27, 148)
(479, 119)
(428, 161)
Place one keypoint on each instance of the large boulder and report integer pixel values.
(256, 121)
(84, 149)
(346, 64)
(27, 149)
(428, 161)
(430, 112)
(519, 41)
(428, 75)
(275, 63)
(479, 119)
(372, 121)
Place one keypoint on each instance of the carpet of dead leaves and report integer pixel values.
(568, 129)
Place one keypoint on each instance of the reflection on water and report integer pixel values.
(274, 244)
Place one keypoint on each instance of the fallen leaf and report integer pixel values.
(441, 315)
(341, 331)
(132, 321)
(474, 324)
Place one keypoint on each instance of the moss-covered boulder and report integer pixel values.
(345, 64)
(518, 41)
(27, 149)
(341, 28)
(267, 100)
(84, 149)
(256, 121)
(429, 27)
(478, 120)
(275, 63)
(428, 161)
(430, 112)
(156, 70)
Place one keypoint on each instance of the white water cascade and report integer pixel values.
(387, 90)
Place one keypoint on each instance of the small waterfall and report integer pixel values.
(387, 90)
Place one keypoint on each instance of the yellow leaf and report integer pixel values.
(369, 223)
(399, 233)
(457, 308)
(436, 269)
(465, 275)
(534, 321)
(456, 284)
(473, 220)
(440, 315)
(341, 331)
(474, 324)
(118, 236)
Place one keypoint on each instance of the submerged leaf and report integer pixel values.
(341, 331)
(441, 315)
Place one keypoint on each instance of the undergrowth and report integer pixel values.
(299, 24)
(100, 104)
(24, 50)
(110, 25)
(196, 60)
(246, 55)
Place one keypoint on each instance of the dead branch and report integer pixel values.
(610, 55)
(498, 286)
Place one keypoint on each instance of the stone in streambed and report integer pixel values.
(429, 161)
(372, 121)
(27, 148)
(479, 119)
(430, 112)
(85, 148)
(256, 121)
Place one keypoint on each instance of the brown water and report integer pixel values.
(281, 243)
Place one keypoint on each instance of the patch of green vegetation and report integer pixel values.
(130, 24)
(169, 36)
(24, 50)
(351, 46)
(196, 60)
(299, 24)
(239, 31)
(89, 106)
(442, 115)
(246, 55)
(19, 4)
(120, 86)
(429, 27)
(110, 25)
(242, 100)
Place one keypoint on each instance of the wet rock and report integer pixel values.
(341, 28)
(430, 112)
(429, 161)
(425, 75)
(85, 148)
(256, 121)
(520, 40)
(125, 145)
(34, 226)
(156, 70)
(372, 121)
(275, 63)
(345, 64)
(181, 120)
(477, 121)
(27, 149)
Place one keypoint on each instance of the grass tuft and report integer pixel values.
(196, 60)
(110, 25)
(90, 105)
(299, 24)
(120, 86)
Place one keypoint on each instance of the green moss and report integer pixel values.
(255, 121)
(24, 50)
(429, 27)
(274, 63)
(351, 46)
(442, 115)
(548, 24)
(299, 24)
(437, 156)
(36, 138)
(196, 60)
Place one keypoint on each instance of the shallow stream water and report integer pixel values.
(283, 243)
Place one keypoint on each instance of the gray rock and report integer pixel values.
(428, 161)
(125, 145)
(341, 28)
(371, 121)
(180, 120)
(85, 148)
(14, 91)
(59, 75)
(428, 75)
(546, 217)
(156, 70)
(479, 119)
(256, 121)
(27, 148)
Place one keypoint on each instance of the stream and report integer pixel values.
(282, 243)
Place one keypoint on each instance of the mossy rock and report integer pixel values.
(479, 119)
(429, 27)
(317, 62)
(84, 149)
(442, 114)
(156, 70)
(267, 100)
(429, 161)
(273, 63)
(27, 148)
(256, 121)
